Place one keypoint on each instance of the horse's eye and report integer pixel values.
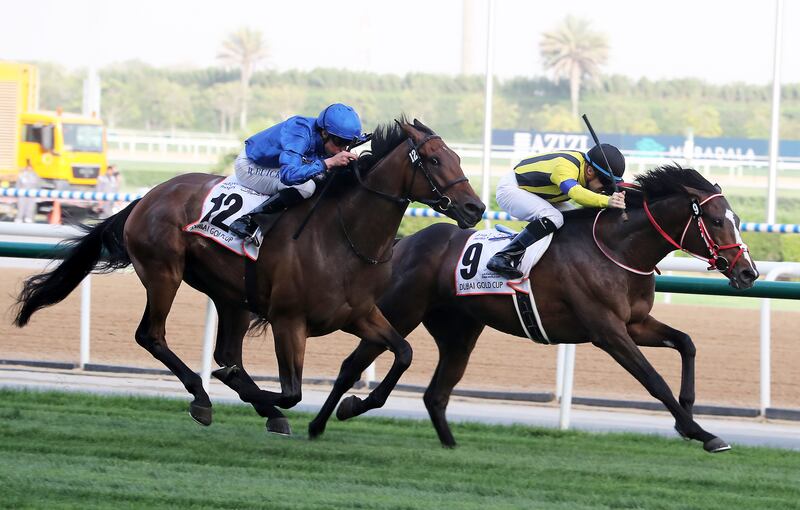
(717, 222)
(435, 161)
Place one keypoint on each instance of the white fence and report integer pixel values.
(181, 147)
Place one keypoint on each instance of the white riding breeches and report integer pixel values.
(526, 205)
(266, 180)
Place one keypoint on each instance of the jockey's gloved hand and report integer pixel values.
(617, 200)
(341, 159)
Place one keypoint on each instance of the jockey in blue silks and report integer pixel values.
(283, 160)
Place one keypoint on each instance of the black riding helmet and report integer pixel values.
(615, 159)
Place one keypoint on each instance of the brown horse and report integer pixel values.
(583, 295)
(329, 278)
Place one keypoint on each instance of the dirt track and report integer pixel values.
(726, 339)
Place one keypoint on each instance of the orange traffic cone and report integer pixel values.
(55, 214)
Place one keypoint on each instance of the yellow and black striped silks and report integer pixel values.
(558, 177)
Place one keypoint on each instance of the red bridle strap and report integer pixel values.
(713, 248)
(608, 255)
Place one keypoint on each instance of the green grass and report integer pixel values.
(63, 450)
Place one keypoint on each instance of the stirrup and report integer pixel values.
(253, 238)
(241, 227)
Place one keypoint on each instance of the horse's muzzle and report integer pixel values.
(470, 214)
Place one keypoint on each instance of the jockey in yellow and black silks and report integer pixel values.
(542, 184)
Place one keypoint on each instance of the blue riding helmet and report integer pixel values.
(341, 120)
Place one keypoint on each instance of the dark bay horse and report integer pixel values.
(327, 279)
(583, 295)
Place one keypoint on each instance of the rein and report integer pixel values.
(715, 261)
(359, 254)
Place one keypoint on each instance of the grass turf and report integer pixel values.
(62, 450)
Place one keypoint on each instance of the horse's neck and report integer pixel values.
(371, 221)
(636, 242)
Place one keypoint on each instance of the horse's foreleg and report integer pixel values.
(616, 342)
(375, 328)
(455, 335)
(352, 368)
(151, 335)
(232, 326)
(652, 333)
(290, 346)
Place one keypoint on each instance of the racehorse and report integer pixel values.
(594, 284)
(328, 278)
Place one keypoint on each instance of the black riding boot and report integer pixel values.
(245, 227)
(505, 261)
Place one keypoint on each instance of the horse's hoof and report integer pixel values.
(347, 408)
(200, 414)
(224, 373)
(315, 430)
(279, 426)
(716, 445)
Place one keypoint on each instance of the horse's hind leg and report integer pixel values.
(375, 328)
(617, 343)
(232, 326)
(350, 372)
(456, 334)
(652, 333)
(151, 334)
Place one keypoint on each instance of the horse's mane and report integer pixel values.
(656, 184)
(385, 139)
(667, 180)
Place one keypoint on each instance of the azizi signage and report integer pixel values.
(672, 146)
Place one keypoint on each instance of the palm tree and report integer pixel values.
(573, 52)
(244, 48)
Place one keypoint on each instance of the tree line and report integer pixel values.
(139, 96)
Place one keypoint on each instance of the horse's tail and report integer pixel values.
(100, 250)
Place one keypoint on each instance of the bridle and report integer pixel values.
(715, 260)
(442, 202)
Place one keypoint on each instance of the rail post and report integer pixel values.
(86, 312)
(208, 342)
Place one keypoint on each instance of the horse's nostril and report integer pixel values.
(749, 275)
(475, 209)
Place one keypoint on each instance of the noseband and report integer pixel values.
(715, 261)
(442, 202)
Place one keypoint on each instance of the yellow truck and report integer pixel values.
(67, 151)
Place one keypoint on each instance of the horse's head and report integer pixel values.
(436, 177)
(705, 224)
(714, 230)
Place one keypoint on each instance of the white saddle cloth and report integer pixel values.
(224, 204)
(473, 278)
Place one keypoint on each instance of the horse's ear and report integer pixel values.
(694, 192)
(411, 131)
(422, 127)
(718, 187)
